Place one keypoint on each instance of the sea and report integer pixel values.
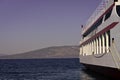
(45, 69)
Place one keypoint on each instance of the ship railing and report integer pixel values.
(104, 5)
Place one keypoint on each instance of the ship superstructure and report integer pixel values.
(100, 42)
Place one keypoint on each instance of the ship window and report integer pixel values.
(118, 10)
(98, 22)
(108, 37)
(115, 0)
(108, 14)
(94, 26)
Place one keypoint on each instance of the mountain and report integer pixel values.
(50, 52)
(2, 54)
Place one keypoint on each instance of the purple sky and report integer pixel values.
(27, 25)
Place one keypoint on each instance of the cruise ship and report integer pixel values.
(100, 39)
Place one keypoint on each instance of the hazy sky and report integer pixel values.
(27, 25)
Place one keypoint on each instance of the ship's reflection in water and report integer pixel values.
(90, 75)
(45, 69)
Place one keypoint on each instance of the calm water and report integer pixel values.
(45, 69)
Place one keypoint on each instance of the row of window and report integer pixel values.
(99, 22)
(98, 45)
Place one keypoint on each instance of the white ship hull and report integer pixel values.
(100, 43)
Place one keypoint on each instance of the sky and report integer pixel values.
(27, 25)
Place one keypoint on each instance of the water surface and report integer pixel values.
(45, 69)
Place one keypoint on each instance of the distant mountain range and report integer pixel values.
(50, 52)
(2, 54)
